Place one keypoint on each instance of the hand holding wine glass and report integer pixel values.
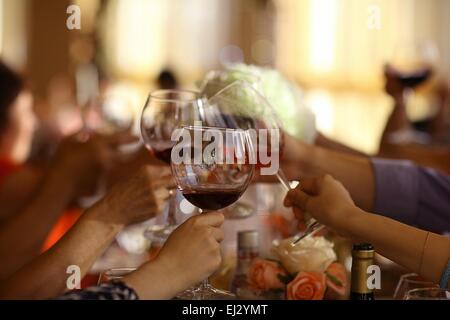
(190, 254)
(325, 199)
(194, 247)
(212, 169)
(83, 162)
(240, 105)
(137, 198)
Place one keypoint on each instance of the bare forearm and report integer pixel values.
(22, 235)
(433, 157)
(325, 142)
(46, 276)
(424, 253)
(354, 172)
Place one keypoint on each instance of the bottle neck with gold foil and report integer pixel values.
(362, 258)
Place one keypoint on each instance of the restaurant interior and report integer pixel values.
(327, 68)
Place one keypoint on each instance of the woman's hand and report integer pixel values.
(194, 248)
(190, 255)
(325, 199)
(138, 198)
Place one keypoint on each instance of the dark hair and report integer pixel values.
(11, 84)
(167, 80)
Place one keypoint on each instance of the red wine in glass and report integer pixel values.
(414, 78)
(212, 200)
(163, 154)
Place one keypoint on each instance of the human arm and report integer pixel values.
(355, 172)
(131, 201)
(179, 265)
(398, 189)
(22, 234)
(191, 254)
(74, 172)
(327, 201)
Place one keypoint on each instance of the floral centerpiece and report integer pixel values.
(284, 96)
(306, 271)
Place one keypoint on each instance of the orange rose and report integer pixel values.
(336, 278)
(263, 275)
(307, 286)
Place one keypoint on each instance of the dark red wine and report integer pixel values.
(212, 200)
(163, 155)
(413, 79)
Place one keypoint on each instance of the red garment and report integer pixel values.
(64, 223)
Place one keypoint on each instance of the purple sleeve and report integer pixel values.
(411, 194)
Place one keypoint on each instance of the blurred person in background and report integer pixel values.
(17, 126)
(59, 117)
(34, 198)
(167, 80)
(401, 140)
(17, 121)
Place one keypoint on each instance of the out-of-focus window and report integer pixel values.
(13, 41)
(344, 43)
(337, 49)
(143, 36)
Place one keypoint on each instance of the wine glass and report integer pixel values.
(216, 80)
(164, 111)
(413, 62)
(212, 168)
(409, 282)
(240, 105)
(428, 294)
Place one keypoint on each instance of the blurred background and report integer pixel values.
(334, 49)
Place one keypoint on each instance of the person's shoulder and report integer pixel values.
(17, 188)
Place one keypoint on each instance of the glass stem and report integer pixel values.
(204, 284)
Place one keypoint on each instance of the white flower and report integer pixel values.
(286, 99)
(310, 254)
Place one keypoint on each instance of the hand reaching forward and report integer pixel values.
(325, 199)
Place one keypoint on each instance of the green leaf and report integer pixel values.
(285, 278)
(333, 279)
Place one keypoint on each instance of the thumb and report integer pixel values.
(297, 198)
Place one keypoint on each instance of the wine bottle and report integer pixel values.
(362, 258)
(248, 249)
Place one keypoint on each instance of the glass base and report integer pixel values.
(205, 292)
